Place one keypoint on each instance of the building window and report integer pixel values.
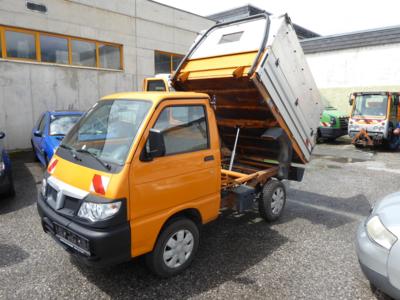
(110, 56)
(45, 47)
(20, 45)
(54, 49)
(83, 53)
(166, 62)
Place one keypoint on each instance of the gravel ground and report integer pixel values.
(308, 254)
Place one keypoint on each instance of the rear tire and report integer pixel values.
(34, 152)
(272, 201)
(175, 248)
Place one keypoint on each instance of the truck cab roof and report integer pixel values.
(156, 97)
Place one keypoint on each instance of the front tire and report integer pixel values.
(272, 201)
(175, 248)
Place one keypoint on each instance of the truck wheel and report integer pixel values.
(272, 200)
(175, 248)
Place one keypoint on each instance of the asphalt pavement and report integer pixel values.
(308, 254)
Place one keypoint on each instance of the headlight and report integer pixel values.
(98, 211)
(44, 187)
(379, 234)
(333, 121)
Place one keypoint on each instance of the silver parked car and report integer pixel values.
(378, 248)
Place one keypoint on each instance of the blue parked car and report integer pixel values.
(6, 181)
(50, 129)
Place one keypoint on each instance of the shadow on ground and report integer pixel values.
(229, 246)
(26, 174)
(11, 255)
(324, 210)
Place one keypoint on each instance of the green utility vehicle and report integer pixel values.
(333, 124)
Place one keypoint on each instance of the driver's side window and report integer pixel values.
(184, 128)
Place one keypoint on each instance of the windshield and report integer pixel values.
(108, 130)
(60, 125)
(371, 105)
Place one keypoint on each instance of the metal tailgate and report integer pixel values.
(285, 76)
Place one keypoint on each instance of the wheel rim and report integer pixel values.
(178, 249)
(278, 200)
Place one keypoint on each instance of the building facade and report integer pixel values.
(66, 54)
(364, 61)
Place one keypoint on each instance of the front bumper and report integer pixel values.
(96, 247)
(373, 261)
(377, 137)
(332, 133)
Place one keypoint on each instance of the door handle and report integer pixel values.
(209, 158)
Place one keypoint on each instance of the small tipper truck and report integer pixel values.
(141, 172)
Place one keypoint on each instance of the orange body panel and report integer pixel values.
(170, 184)
(219, 66)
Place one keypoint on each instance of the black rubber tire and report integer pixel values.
(264, 202)
(34, 152)
(10, 190)
(358, 146)
(155, 261)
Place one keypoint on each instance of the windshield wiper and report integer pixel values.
(104, 164)
(73, 151)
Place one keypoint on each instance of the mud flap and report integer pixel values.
(285, 150)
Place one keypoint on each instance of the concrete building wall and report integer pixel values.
(141, 26)
(338, 73)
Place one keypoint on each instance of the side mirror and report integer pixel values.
(2, 135)
(155, 144)
(351, 99)
(37, 133)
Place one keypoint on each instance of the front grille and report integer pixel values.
(344, 122)
(71, 203)
(64, 204)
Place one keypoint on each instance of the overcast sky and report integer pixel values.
(322, 16)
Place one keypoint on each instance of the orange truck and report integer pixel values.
(374, 116)
(141, 172)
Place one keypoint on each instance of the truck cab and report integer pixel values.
(333, 124)
(374, 115)
(159, 83)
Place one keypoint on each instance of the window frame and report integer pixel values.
(171, 61)
(55, 36)
(24, 31)
(121, 54)
(96, 63)
(207, 128)
(38, 33)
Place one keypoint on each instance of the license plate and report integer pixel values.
(73, 240)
